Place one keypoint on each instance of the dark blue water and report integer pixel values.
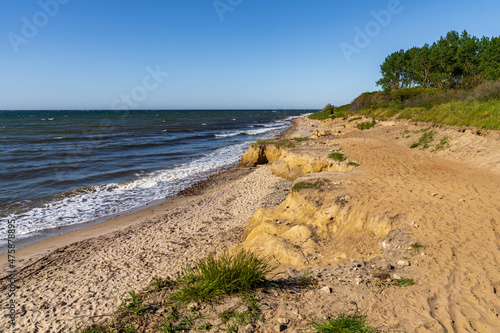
(66, 167)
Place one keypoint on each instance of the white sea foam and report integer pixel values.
(103, 200)
(227, 134)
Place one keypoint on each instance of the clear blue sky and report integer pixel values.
(92, 54)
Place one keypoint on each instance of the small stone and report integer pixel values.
(326, 289)
(434, 194)
(414, 224)
(280, 328)
(283, 321)
(422, 254)
(358, 280)
(396, 277)
(250, 328)
(403, 263)
(461, 200)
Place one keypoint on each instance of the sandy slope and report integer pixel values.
(450, 200)
(454, 198)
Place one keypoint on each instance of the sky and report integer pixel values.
(213, 54)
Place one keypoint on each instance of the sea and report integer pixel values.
(65, 168)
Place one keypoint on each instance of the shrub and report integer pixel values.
(366, 124)
(337, 156)
(302, 185)
(223, 275)
(403, 282)
(343, 322)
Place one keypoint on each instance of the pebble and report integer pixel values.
(397, 277)
(326, 289)
(403, 263)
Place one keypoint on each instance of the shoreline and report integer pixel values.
(37, 246)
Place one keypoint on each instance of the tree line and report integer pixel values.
(454, 61)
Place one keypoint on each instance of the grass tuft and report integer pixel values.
(425, 140)
(416, 246)
(343, 323)
(352, 163)
(337, 156)
(277, 143)
(403, 282)
(366, 124)
(224, 275)
(302, 185)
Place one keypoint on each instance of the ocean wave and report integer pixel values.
(91, 202)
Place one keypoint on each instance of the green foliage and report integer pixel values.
(424, 141)
(366, 124)
(224, 275)
(301, 139)
(403, 282)
(355, 118)
(456, 60)
(330, 112)
(337, 156)
(205, 327)
(352, 163)
(442, 144)
(133, 304)
(277, 143)
(417, 246)
(301, 185)
(159, 283)
(343, 323)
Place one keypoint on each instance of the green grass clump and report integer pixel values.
(331, 112)
(134, 304)
(354, 119)
(352, 163)
(301, 139)
(366, 124)
(425, 140)
(416, 246)
(302, 185)
(277, 143)
(337, 156)
(224, 275)
(403, 282)
(478, 107)
(343, 323)
(442, 144)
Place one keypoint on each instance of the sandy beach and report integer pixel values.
(446, 200)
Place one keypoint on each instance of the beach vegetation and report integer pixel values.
(300, 139)
(337, 156)
(224, 275)
(416, 246)
(424, 141)
(302, 185)
(277, 143)
(366, 124)
(134, 304)
(403, 282)
(455, 81)
(442, 144)
(352, 163)
(355, 118)
(331, 112)
(344, 322)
